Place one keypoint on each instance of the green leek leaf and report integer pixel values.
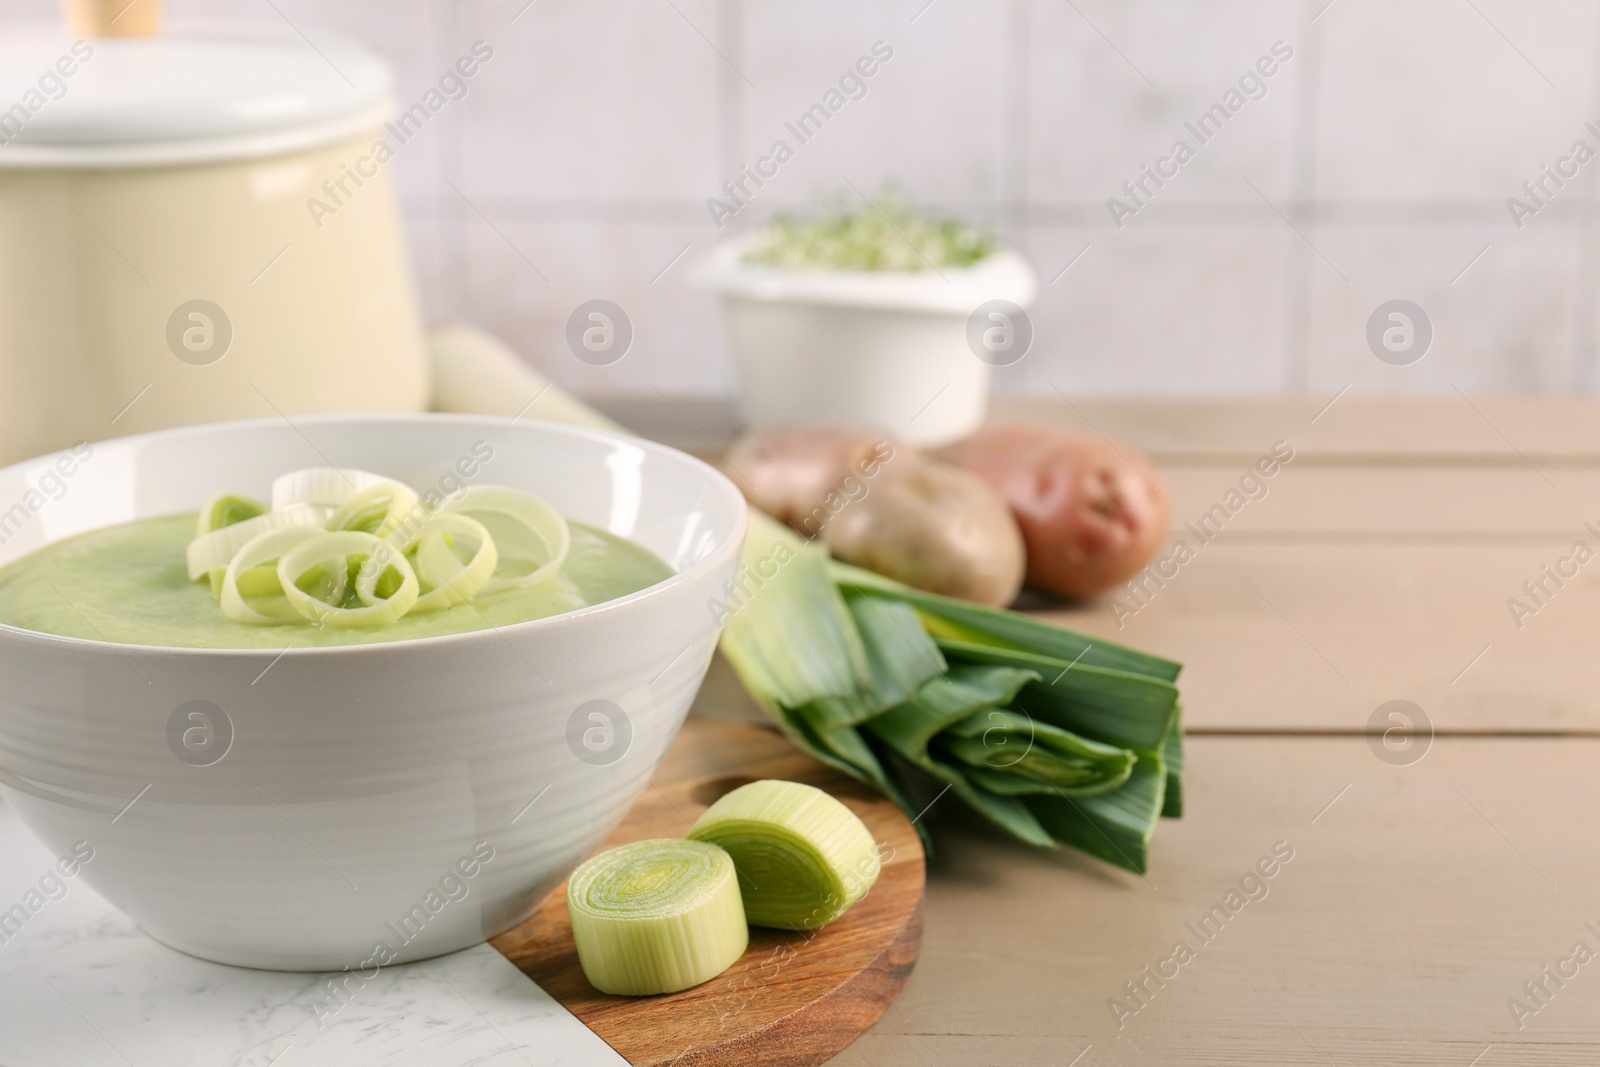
(900, 657)
(963, 620)
(1116, 707)
(1115, 826)
(1172, 756)
(909, 728)
(1011, 754)
(793, 640)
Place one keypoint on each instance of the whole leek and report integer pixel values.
(1055, 737)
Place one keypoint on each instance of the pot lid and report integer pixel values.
(189, 95)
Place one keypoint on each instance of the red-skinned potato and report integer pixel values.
(798, 474)
(933, 527)
(1091, 514)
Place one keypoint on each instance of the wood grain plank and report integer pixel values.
(1413, 908)
(793, 999)
(1354, 429)
(1444, 503)
(1317, 636)
(1500, 429)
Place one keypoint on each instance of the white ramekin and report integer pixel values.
(889, 349)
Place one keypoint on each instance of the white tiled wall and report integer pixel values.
(1377, 165)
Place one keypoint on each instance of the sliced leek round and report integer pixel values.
(379, 509)
(225, 509)
(378, 557)
(324, 486)
(656, 916)
(344, 547)
(527, 510)
(446, 580)
(217, 548)
(265, 547)
(803, 857)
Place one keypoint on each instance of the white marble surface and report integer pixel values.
(80, 984)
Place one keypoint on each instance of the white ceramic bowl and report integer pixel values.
(379, 803)
(886, 348)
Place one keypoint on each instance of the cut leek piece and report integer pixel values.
(447, 580)
(225, 509)
(378, 558)
(380, 509)
(324, 486)
(266, 547)
(656, 916)
(220, 546)
(402, 556)
(257, 581)
(803, 857)
(527, 511)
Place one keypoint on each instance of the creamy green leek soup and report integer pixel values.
(133, 583)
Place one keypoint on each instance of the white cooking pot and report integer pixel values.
(194, 226)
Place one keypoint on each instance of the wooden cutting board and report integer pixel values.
(793, 999)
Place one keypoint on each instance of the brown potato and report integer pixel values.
(1091, 514)
(934, 527)
(802, 474)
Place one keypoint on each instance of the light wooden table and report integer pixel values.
(1422, 895)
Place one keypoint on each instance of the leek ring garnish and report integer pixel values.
(377, 556)
(323, 486)
(218, 548)
(656, 916)
(263, 548)
(544, 521)
(353, 548)
(378, 509)
(447, 580)
(225, 509)
(803, 857)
